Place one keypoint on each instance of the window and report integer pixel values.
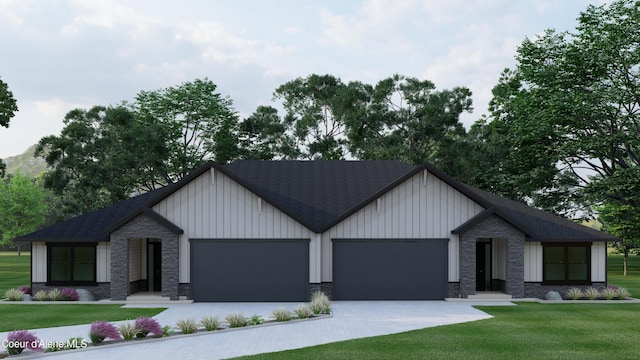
(71, 264)
(568, 264)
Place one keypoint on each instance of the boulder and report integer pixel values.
(553, 295)
(85, 295)
(26, 297)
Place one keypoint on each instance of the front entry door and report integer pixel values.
(483, 265)
(154, 264)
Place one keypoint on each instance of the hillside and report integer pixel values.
(26, 163)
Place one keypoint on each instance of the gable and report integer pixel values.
(215, 206)
(423, 206)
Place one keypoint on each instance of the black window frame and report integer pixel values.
(566, 246)
(72, 246)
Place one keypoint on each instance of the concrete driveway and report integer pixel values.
(350, 320)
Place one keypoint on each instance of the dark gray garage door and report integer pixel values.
(250, 270)
(395, 269)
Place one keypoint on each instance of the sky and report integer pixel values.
(58, 55)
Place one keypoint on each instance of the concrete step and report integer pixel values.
(147, 296)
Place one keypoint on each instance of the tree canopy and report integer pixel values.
(101, 156)
(566, 120)
(197, 124)
(8, 109)
(22, 207)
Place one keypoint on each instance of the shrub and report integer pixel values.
(236, 320)
(591, 293)
(69, 294)
(72, 343)
(101, 330)
(210, 323)
(128, 330)
(187, 326)
(574, 293)
(19, 340)
(13, 295)
(623, 293)
(320, 303)
(25, 289)
(282, 314)
(303, 311)
(54, 294)
(40, 295)
(147, 325)
(166, 331)
(608, 293)
(255, 320)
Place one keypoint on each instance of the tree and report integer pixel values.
(22, 207)
(622, 221)
(407, 119)
(102, 156)
(569, 113)
(198, 124)
(310, 115)
(8, 108)
(263, 136)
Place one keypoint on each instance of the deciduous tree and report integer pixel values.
(22, 207)
(569, 113)
(8, 109)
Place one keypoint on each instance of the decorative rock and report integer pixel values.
(85, 295)
(553, 295)
(26, 297)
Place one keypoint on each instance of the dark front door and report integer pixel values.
(154, 264)
(483, 265)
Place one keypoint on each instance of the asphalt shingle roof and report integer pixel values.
(320, 194)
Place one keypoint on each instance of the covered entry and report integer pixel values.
(390, 269)
(249, 269)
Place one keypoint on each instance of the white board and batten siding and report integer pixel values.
(39, 262)
(533, 263)
(423, 207)
(215, 206)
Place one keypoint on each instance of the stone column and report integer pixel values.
(170, 266)
(515, 265)
(119, 267)
(467, 264)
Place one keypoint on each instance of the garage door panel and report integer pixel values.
(250, 270)
(393, 269)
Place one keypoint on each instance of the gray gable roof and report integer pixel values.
(320, 194)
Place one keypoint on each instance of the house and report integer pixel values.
(279, 230)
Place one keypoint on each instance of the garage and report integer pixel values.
(390, 269)
(249, 270)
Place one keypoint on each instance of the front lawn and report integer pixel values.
(33, 316)
(614, 274)
(526, 331)
(14, 270)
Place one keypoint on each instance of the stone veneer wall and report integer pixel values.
(184, 289)
(101, 291)
(454, 290)
(143, 226)
(325, 287)
(492, 227)
(537, 290)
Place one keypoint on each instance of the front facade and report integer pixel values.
(277, 231)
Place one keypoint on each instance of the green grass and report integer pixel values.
(526, 331)
(14, 270)
(33, 316)
(632, 281)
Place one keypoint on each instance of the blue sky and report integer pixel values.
(60, 55)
